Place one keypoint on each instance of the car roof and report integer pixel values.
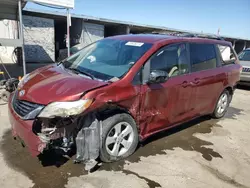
(156, 38)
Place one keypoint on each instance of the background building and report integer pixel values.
(45, 32)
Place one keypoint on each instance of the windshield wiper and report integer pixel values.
(65, 63)
(81, 72)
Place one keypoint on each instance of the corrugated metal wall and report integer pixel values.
(82, 33)
(85, 33)
(91, 33)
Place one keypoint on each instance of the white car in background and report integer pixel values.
(244, 58)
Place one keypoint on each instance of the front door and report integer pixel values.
(165, 104)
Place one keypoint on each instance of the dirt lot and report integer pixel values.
(202, 153)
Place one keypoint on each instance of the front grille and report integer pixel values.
(244, 69)
(23, 108)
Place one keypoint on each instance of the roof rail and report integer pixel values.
(202, 36)
(190, 35)
(166, 33)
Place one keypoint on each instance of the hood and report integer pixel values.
(55, 83)
(245, 63)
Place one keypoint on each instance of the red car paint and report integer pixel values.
(154, 107)
(23, 130)
(65, 85)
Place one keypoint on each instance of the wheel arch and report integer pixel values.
(112, 109)
(93, 124)
(109, 116)
(230, 90)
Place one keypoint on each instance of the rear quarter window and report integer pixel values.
(227, 54)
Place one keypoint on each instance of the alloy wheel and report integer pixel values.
(119, 139)
(222, 103)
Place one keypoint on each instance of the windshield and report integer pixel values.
(244, 55)
(107, 58)
(76, 48)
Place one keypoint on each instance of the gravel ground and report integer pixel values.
(201, 153)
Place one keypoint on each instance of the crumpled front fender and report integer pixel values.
(88, 140)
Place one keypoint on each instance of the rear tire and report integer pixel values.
(119, 137)
(222, 105)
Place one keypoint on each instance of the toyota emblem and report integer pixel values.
(21, 93)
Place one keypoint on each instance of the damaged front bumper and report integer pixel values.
(23, 130)
(60, 134)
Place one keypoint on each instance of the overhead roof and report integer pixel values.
(136, 26)
(9, 9)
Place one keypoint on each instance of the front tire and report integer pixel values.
(119, 137)
(222, 105)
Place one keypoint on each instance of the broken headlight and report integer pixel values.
(65, 109)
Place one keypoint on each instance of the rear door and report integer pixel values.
(205, 82)
(165, 104)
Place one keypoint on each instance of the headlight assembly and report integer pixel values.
(65, 109)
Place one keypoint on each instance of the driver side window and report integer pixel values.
(172, 59)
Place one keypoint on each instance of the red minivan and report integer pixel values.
(120, 90)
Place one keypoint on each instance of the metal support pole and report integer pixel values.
(245, 45)
(234, 44)
(68, 31)
(21, 34)
(127, 29)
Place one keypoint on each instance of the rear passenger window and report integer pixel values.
(227, 54)
(202, 57)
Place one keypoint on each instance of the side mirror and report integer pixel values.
(158, 76)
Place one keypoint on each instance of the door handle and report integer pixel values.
(196, 81)
(185, 84)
